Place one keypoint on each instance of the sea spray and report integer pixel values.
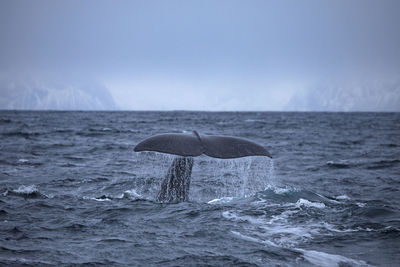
(240, 177)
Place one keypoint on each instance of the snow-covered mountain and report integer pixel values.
(33, 95)
(352, 96)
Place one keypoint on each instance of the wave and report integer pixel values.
(380, 164)
(383, 164)
(20, 261)
(296, 216)
(342, 197)
(101, 198)
(75, 227)
(350, 142)
(128, 194)
(312, 256)
(28, 162)
(205, 260)
(21, 161)
(131, 194)
(325, 259)
(75, 158)
(220, 200)
(26, 191)
(391, 145)
(305, 203)
(5, 121)
(255, 120)
(109, 147)
(374, 212)
(93, 132)
(293, 196)
(23, 134)
(341, 164)
(276, 196)
(95, 180)
(280, 220)
(114, 240)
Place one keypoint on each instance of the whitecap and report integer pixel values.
(304, 202)
(131, 194)
(30, 191)
(101, 199)
(26, 189)
(220, 200)
(277, 228)
(280, 190)
(343, 197)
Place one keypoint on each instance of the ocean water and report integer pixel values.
(73, 191)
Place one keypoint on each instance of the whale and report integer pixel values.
(176, 184)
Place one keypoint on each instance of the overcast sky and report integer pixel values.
(210, 55)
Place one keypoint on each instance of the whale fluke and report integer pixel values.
(176, 144)
(175, 186)
(225, 147)
(185, 145)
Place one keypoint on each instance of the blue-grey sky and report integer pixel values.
(203, 55)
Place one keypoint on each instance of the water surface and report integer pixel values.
(74, 192)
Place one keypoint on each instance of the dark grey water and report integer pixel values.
(74, 192)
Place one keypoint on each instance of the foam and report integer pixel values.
(306, 203)
(329, 260)
(343, 197)
(282, 232)
(132, 194)
(98, 199)
(361, 204)
(26, 189)
(314, 257)
(277, 228)
(220, 200)
(280, 190)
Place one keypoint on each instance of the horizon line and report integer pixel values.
(189, 110)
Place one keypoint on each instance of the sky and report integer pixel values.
(341, 55)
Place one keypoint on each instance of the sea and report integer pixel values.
(74, 193)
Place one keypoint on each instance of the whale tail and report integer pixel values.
(223, 147)
(175, 186)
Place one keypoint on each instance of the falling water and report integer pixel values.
(211, 178)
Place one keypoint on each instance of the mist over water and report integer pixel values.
(74, 192)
